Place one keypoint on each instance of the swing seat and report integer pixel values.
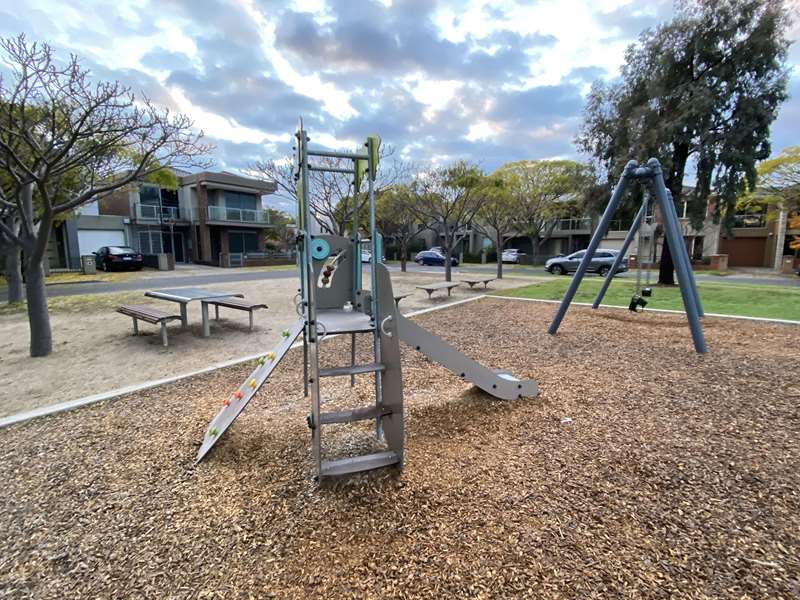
(636, 303)
(647, 292)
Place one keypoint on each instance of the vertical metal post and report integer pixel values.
(356, 237)
(602, 227)
(309, 307)
(637, 222)
(675, 240)
(373, 230)
(684, 254)
(352, 358)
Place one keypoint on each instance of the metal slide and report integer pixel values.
(235, 403)
(499, 384)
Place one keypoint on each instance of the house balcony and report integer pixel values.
(154, 213)
(567, 227)
(238, 216)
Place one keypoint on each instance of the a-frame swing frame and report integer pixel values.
(652, 176)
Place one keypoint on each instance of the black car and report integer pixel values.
(112, 258)
(433, 257)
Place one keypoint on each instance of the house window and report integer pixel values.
(239, 200)
(242, 242)
(150, 242)
(149, 194)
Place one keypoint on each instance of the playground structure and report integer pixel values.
(331, 302)
(652, 177)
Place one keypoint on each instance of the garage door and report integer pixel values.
(744, 252)
(90, 240)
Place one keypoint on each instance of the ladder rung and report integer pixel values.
(354, 370)
(354, 414)
(355, 464)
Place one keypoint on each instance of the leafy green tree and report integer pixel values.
(704, 87)
(779, 181)
(543, 192)
(396, 220)
(447, 200)
(498, 213)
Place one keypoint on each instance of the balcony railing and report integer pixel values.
(155, 212)
(750, 220)
(584, 224)
(238, 215)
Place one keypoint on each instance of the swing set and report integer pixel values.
(651, 176)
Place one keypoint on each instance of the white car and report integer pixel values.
(511, 255)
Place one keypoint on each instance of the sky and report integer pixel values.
(486, 81)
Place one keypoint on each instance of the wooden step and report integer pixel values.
(356, 464)
(354, 370)
(354, 414)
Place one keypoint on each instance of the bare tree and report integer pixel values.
(447, 200)
(65, 140)
(497, 215)
(331, 194)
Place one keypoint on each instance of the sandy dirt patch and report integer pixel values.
(676, 476)
(94, 350)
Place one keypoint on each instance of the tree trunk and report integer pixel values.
(448, 249)
(499, 245)
(38, 315)
(403, 254)
(666, 267)
(14, 276)
(680, 154)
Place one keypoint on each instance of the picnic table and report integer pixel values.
(473, 282)
(185, 295)
(443, 285)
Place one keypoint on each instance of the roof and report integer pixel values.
(225, 180)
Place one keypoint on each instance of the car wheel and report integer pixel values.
(558, 270)
(603, 271)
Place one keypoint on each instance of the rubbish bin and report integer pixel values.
(88, 264)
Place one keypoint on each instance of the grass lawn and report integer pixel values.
(775, 302)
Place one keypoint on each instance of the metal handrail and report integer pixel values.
(237, 215)
(157, 212)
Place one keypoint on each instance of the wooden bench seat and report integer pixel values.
(148, 314)
(235, 304)
(443, 285)
(473, 282)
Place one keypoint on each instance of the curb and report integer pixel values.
(87, 400)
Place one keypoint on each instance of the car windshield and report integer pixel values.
(121, 250)
(578, 255)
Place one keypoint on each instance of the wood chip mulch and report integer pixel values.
(641, 470)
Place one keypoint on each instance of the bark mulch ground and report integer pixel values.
(642, 470)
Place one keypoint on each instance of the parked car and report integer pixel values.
(366, 256)
(601, 262)
(433, 257)
(511, 255)
(111, 258)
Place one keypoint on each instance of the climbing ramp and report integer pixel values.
(235, 403)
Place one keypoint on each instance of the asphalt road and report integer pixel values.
(236, 275)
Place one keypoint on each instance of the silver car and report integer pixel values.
(601, 262)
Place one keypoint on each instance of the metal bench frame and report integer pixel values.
(473, 282)
(232, 303)
(137, 313)
(438, 286)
